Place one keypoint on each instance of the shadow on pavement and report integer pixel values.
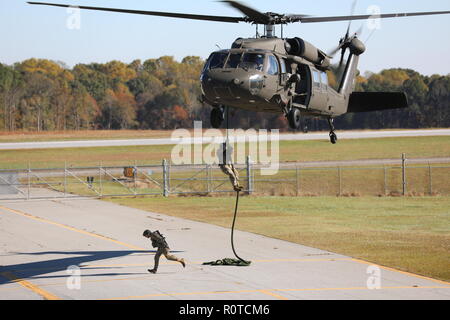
(39, 269)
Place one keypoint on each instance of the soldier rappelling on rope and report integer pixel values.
(224, 154)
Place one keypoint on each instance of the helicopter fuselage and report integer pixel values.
(260, 75)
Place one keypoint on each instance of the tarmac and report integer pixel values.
(94, 250)
(342, 135)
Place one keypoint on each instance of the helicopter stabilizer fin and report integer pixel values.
(376, 101)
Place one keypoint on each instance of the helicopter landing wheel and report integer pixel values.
(294, 117)
(333, 137)
(217, 117)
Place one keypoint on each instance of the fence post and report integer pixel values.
(169, 170)
(404, 173)
(100, 175)
(249, 175)
(208, 178)
(135, 171)
(165, 179)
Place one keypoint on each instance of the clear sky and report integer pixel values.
(419, 43)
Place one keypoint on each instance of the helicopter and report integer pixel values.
(282, 75)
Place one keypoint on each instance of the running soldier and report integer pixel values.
(158, 241)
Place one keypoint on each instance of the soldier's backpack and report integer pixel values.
(159, 241)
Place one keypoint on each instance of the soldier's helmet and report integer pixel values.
(147, 233)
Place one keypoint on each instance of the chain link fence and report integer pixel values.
(184, 180)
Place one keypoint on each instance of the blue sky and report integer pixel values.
(420, 43)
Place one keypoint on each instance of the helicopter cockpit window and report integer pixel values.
(234, 60)
(252, 61)
(272, 68)
(324, 78)
(218, 60)
(316, 78)
(283, 66)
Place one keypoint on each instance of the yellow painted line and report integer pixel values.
(304, 260)
(403, 272)
(28, 285)
(273, 294)
(361, 288)
(182, 294)
(26, 215)
(96, 281)
(269, 291)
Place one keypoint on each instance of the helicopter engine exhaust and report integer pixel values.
(301, 48)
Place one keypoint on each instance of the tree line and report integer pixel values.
(43, 95)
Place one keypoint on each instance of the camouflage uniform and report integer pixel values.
(227, 167)
(158, 241)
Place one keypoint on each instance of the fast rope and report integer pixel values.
(228, 261)
(232, 230)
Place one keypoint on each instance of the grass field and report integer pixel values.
(409, 234)
(415, 147)
(81, 135)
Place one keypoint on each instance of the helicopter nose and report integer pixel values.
(223, 87)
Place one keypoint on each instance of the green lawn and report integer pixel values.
(409, 234)
(25, 136)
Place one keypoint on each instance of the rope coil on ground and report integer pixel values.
(229, 261)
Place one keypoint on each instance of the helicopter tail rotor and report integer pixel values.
(346, 42)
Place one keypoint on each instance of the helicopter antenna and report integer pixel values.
(218, 46)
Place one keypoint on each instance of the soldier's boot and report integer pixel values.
(152, 271)
(183, 263)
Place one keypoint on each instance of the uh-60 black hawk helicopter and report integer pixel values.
(282, 75)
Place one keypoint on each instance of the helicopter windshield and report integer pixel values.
(253, 61)
(234, 60)
(247, 61)
(217, 60)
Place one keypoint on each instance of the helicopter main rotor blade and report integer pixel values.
(364, 17)
(150, 13)
(253, 14)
